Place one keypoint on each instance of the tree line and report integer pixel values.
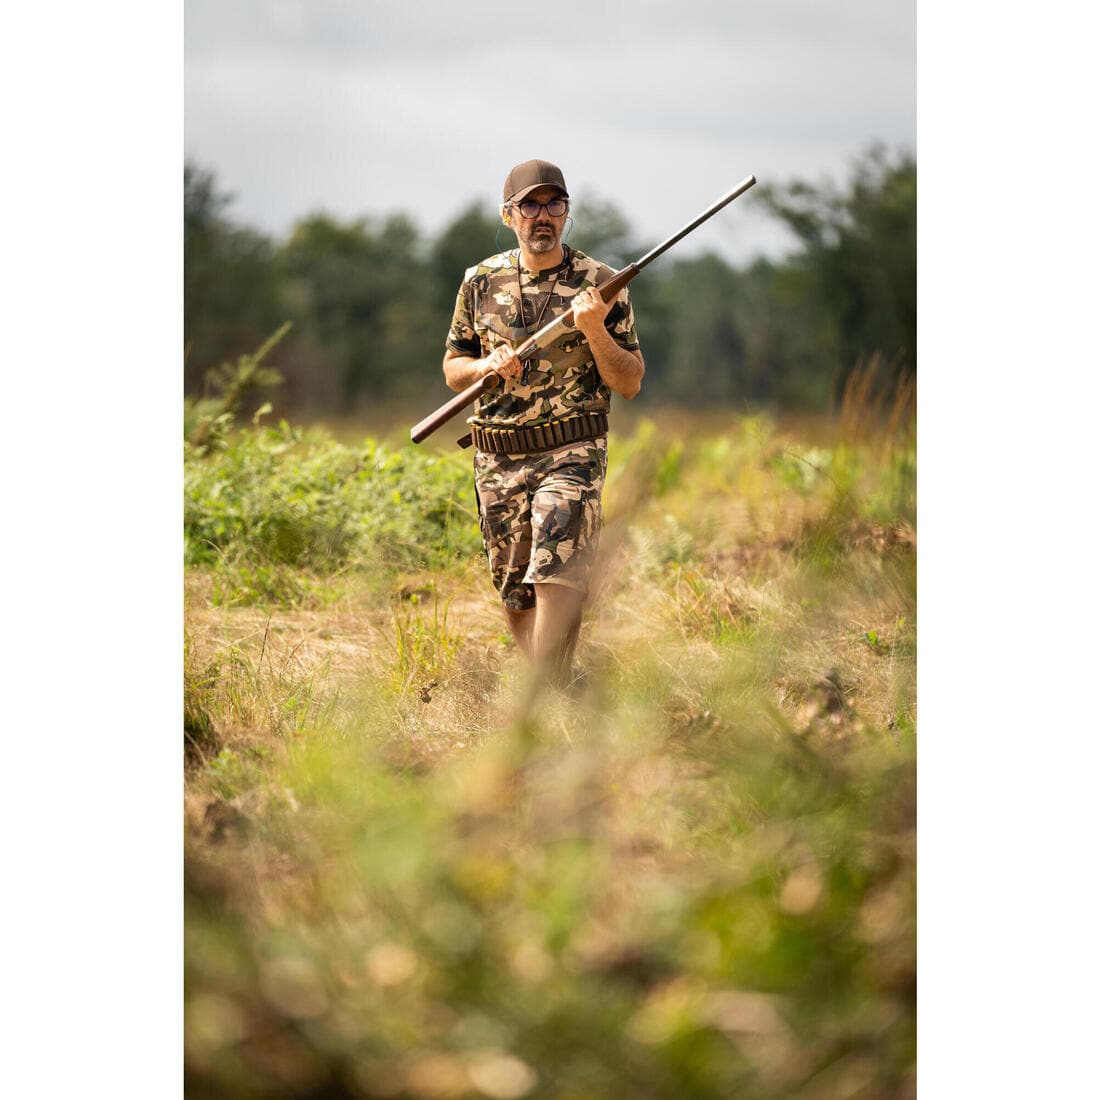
(370, 299)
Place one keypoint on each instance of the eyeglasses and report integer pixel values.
(530, 209)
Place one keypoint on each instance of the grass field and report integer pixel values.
(412, 873)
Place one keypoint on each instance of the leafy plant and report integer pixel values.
(424, 647)
(273, 508)
(207, 421)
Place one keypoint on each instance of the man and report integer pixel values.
(541, 435)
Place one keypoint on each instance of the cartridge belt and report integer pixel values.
(539, 437)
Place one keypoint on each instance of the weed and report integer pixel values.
(803, 469)
(424, 647)
(200, 735)
(279, 514)
(208, 421)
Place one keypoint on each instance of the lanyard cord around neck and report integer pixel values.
(522, 315)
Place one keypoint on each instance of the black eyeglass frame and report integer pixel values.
(540, 206)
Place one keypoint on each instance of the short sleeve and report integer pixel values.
(620, 322)
(463, 337)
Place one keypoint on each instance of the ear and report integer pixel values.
(505, 216)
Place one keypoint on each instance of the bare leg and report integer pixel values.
(557, 624)
(521, 624)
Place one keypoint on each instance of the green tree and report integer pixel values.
(370, 324)
(470, 237)
(231, 300)
(859, 256)
(371, 299)
(602, 230)
(702, 351)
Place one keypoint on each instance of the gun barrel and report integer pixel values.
(710, 211)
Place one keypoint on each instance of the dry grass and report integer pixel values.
(412, 871)
(679, 576)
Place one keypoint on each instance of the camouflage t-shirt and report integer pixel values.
(564, 381)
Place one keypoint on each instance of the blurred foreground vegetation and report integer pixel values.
(411, 874)
(370, 300)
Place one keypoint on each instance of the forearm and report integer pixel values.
(462, 371)
(622, 370)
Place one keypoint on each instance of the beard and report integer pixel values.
(536, 241)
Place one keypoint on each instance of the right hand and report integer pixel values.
(502, 361)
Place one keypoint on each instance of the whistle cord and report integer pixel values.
(538, 320)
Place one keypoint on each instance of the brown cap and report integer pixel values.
(531, 174)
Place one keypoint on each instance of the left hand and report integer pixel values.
(589, 311)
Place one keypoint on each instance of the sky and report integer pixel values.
(361, 108)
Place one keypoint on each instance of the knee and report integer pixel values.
(558, 596)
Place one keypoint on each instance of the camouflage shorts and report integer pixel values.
(541, 517)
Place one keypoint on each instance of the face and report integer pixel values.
(541, 233)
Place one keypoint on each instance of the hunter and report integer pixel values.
(540, 437)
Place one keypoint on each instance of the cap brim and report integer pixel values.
(520, 195)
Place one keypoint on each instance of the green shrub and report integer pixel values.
(272, 502)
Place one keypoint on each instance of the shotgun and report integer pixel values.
(550, 332)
